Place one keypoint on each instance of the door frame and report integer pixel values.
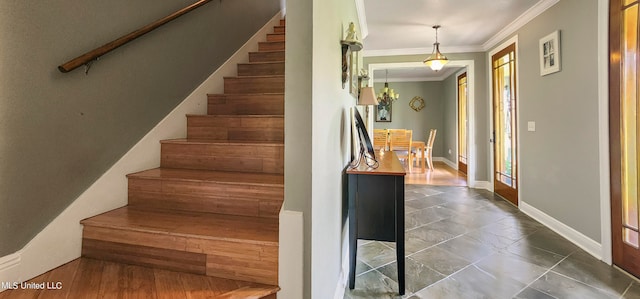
(491, 166)
(458, 74)
(471, 139)
(603, 131)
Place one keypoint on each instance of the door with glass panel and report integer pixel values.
(624, 127)
(505, 181)
(462, 123)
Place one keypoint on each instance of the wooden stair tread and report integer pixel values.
(262, 62)
(213, 205)
(254, 77)
(268, 51)
(222, 142)
(247, 94)
(225, 177)
(241, 229)
(253, 292)
(237, 115)
(120, 280)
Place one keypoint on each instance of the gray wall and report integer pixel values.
(403, 117)
(481, 111)
(60, 132)
(559, 161)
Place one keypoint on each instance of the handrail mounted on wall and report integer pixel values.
(87, 58)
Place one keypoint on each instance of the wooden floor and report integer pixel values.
(442, 175)
(88, 278)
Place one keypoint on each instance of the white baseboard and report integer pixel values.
(9, 264)
(342, 283)
(589, 245)
(290, 255)
(482, 185)
(61, 240)
(344, 269)
(446, 161)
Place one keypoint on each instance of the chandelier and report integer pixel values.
(387, 95)
(436, 61)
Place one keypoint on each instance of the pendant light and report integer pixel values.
(387, 95)
(436, 61)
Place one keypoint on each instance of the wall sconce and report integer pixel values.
(349, 43)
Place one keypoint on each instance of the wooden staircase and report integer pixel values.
(212, 207)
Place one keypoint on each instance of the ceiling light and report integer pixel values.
(436, 61)
(387, 95)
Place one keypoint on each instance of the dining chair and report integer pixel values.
(400, 142)
(380, 139)
(429, 148)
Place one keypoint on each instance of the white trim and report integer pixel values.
(421, 51)
(343, 278)
(457, 89)
(8, 265)
(448, 71)
(61, 240)
(362, 19)
(603, 130)
(290, 255)
(589, 245)
(486, 185)
(512, 40)
(522, 20)
(415, 79)
(446, 161)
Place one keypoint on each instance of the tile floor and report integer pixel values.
(467, 243)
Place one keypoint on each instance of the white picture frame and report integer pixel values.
(550, 53)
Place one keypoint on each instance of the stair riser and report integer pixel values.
(232, 157)
(266, 69)
(275, 37)
(279, 29)
(271, 46)
(246, 104)
(173, 260)
(283, 22)
(212, 197)
(266, 56)
(245, 85)
(235, 128)
(226, 259)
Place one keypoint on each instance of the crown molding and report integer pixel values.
(362, 19)
(520, 21)
(421, 51)
(443, 75)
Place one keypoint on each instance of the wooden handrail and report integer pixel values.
(94, 54)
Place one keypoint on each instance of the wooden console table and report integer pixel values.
(376, 209)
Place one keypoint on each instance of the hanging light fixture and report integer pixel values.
(387, 95)
(436, 61)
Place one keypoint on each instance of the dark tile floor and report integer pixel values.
(467, 243)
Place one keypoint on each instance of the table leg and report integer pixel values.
(353, 236)
(423, 158)
(399, 182)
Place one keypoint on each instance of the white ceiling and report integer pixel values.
(405, 27)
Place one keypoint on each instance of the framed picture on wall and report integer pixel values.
(550, 53)
(353, 74)
(383, 113)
